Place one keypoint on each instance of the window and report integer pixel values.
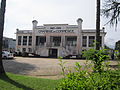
(55, 27)
(100, 41)
(24, 49)
(40, 40)
(71, 40)
(24, 40)
(84, 41)
(58, 27)
(52, 27)
(56, 40)
(91, 41)
(29, 50)
(19, 40)
(30, 41)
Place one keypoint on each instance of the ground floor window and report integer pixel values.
(29, 50)
(84, 41)
(91, 41)
(100, 41)
(24, 49)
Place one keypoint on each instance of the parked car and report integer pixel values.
(7, 55)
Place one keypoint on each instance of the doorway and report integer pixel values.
(53, 53)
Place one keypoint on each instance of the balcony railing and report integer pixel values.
(54, 44)
(41, 45)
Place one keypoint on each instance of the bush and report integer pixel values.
(97, 57)
(97, 80)
(90, 81)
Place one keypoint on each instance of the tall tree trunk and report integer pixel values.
(98, 26)
(2, 16)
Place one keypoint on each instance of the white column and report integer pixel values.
(87, 41)
(27, 44)
(17, 30)
(63, 41)
(79, 36)
(34, 22)
(21, 43)
(102, 41)
(48, 40)
(16, 42)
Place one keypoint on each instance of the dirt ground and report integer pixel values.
(40, 67)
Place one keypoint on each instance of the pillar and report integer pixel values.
(79, 36)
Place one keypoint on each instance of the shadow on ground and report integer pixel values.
(114, 66)
(17, 67)
(5, 78)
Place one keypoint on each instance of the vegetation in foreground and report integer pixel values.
(20, 82)
(101, 78)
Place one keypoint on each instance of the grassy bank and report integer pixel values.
(20, 82)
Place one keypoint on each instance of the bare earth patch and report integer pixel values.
(40, 67)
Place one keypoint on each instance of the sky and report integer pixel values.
(20, 13)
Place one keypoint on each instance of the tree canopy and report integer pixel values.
(111, 10)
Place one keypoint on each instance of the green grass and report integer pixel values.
(20, 82)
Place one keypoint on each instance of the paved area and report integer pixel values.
(39, 67)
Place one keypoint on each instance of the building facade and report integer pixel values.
(9, 44)
(55, 40)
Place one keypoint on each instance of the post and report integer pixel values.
(98, 26)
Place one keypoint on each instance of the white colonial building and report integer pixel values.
(55, 40)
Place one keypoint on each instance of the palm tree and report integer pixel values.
(2, 16)
(98, 26)
(111, 10)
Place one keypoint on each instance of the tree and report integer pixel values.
(111, 10)
(98, 26)
(2, 16)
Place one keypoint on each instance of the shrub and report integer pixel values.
(84, 80)
(98, 80)
(97, 57)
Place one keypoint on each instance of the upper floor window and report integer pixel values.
(19, 40)
(84, 41)
(24, 40)
(91, 41)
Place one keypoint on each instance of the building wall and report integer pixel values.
(57, 30)
(9, 44)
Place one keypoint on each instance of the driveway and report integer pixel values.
(39, 67)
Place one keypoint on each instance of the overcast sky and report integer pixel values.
(20, 13)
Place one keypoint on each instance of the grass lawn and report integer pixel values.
(20, 82)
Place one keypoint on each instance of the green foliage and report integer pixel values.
(62, 65)
(84, 80)
(97, 57)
